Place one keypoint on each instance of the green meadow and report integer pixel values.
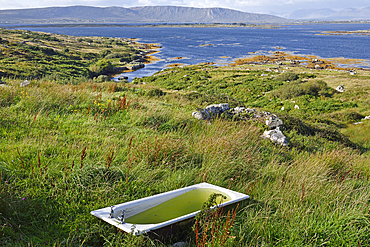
(70, 144)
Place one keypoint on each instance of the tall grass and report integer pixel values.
(69, 149)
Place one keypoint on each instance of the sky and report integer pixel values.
(277, 7)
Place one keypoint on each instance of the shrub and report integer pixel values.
(102, 78)
(101, 67)
(348, 116)
(155, 93)
(104, 53)
(289, 76)
(295, 89)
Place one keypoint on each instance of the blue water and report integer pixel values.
(233, 42)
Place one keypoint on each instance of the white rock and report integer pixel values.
(274, 121)
(276, 136)
(201, 115)
(25, 83)
(367, 117)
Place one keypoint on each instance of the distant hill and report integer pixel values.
(331, 15)
(170, 14)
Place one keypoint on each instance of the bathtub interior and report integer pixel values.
(135, 207)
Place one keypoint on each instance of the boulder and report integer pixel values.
(138, 66)
(25, 83)
(274, 121)
(180, 244)
(217, 109)
(210, 111)
(340, 89)
(276, 136)
(121, 78)
(201, 115)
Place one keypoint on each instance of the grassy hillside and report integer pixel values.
(35, 55)
(70, 148)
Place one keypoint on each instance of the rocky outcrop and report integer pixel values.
(241, 113)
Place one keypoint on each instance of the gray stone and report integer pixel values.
(180, 244)
(25, 83)
(274, 122)
(239, 110)
(201, 115)
(217, 108)
(276, 136)
(138, 66)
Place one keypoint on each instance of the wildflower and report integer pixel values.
(6, 182)
(23, 198)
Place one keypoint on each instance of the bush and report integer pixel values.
(295, 89)
(289, 76)
(102, 78)
(348, 116)
(101, 67)
(155, 93)
(104, 53)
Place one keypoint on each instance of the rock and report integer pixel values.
(217, 108)
(274, 122)
(367, 117)
(180, 244)
(25, 83)
(340, 89)
(210, 111)
(276, 136)
(121, 78)
(238, 110)
(357, 123)
(138, 66)
(201, 115)
(296, 107)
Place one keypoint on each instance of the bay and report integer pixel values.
(222, 45)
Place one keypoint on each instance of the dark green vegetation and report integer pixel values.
(70, 148)
(32, 55)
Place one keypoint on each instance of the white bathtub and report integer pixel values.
(135, 207)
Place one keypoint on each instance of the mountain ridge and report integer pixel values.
(171, 14)
(327, 14)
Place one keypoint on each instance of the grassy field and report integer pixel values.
(69, 148)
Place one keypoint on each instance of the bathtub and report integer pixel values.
(126, 216)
